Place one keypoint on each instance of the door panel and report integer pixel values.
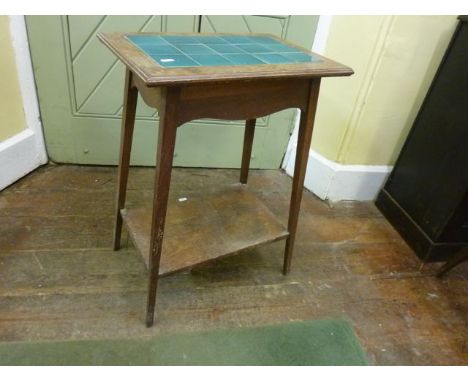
(83, 28)
(80, 86)
(92, 66)
(276, 25)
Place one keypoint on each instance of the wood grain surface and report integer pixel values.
(60, 279)
(202, 226)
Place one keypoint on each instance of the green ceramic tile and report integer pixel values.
(161, 49)
(262, 39)
(282, 48)
(254, 48)
(174, 60)
(273, 58)
(210, 60)
(300, 57)
(238, 39)
(178, 39)
(147, 40)
(243, 59)
(211, 40)
(194, 49)
(226, 48)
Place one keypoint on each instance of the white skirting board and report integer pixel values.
(333, 181)
(328, 179)
(18, 157)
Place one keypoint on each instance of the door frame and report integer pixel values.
(25, 151)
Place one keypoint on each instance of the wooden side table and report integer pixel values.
(223, 76)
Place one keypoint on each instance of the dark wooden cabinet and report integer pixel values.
(426, 195)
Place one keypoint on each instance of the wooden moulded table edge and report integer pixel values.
(206, 226)
(155, 75)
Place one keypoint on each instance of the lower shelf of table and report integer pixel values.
(205, 226)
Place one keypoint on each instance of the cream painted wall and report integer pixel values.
(364, 119)
(12, 118)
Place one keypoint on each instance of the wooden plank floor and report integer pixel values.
(59, 279)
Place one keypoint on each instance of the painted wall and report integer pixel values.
(12, 118)
(364, 119)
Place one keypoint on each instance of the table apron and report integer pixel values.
(236, 100)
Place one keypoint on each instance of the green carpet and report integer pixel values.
(321, 342)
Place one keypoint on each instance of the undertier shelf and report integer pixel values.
(205, 226)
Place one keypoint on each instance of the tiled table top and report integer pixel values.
(174, 51)
(159, 59)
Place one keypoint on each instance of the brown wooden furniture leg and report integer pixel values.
(460, 256)
(247, 150)
(165, 153)
(128, 123)
(302, 154)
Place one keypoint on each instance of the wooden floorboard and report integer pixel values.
(59, 278)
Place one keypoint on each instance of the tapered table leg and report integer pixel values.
(302, 154)
(247, 150)
(165, 153)
(128, 123)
